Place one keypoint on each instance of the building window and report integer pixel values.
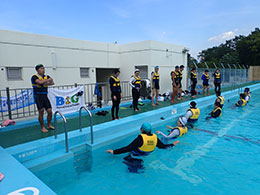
(14, 73)
(84, 72)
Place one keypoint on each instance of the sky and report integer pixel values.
(195, 24)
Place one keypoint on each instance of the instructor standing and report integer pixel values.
(135, 82)
(40, 83)
(116, 94)
(155, 85)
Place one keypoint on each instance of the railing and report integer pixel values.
(65, 128)
(90, 120)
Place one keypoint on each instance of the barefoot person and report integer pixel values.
(135, 83)
(180, 85)
(205, 78)
(193, 78)
(116, 93)
(155, 85)
(40, 83)
(175, 83)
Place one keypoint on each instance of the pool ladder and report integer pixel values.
(91, 123)
(65, 128)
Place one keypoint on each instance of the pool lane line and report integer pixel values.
(184, 164)
(229, 136)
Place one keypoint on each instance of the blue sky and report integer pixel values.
(196, 24)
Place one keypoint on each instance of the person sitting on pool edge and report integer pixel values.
(144, 144)
(192, 114)
(247, 94)
(216, 112)
(177, 131)
(220, 99)
(241, 102)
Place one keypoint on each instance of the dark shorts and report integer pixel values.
(156, 86)
(42, 101)
(205, 84)
(180, 85)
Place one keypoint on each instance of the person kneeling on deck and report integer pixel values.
(193, 113)
(220, 99)
(144, 144)
(178, 131)
(241, 101)
(216, 112)
(247, 94)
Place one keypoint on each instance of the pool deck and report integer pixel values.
(31, 127)
(18, 178)
(15, 160)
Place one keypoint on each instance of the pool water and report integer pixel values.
(223, 157)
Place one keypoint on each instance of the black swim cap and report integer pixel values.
(193, 104)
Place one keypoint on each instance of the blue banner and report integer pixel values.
(21, 100)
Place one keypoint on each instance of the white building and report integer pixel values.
(70, 61)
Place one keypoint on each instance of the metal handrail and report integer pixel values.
(65, 129)
(91, 123)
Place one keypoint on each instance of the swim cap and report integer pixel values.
(193, 104)
(156, 67)
(137, 70)
(246, 90)
(38, 66)
(146, 127)
(183, 120)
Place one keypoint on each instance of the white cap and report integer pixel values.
(137, 70)
(183, 120)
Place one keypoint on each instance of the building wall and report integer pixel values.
(254, 73)
(64, 57)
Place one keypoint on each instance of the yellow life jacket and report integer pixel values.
(195, 113)
(180, 74)
(40, 78)
(206, 75)
(193, 75)
(218, 108)
(155, 76)
(137, 80)
(244, 102)
(117, 81)
(222, 100)
(217, 75)
(176, 74)
(183, 130)
(149, 143)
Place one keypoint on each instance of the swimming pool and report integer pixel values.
(202, 163)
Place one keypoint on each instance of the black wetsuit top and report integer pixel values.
(216, 114)
(138, 142)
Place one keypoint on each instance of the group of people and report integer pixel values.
(205, 81)
(146, 141)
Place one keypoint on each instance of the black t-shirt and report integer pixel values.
(39, 89)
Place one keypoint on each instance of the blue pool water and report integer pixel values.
(202, 163)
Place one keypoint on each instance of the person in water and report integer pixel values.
(205, 83)
(247, 94)
(241, 102)
(220, 99)
(192, 114)
(143, 145)
(177, 131)
(216, 112)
